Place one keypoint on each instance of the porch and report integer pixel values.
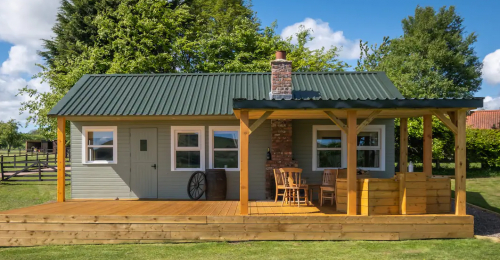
(154, 221)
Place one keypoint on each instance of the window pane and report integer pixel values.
(368, 158)
(143, 145)
(100, 138)
(225, 159)
(187, 139)
(100, 154)
(368, 139)
(329, 139)
(187, 159)
(225, 139)
(327, 159)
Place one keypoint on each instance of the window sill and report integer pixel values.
(187, 169)
(99, 162)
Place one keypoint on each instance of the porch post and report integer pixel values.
(244, 138)
(403, 145)
(427, 160)
(403, 164)
(460, 163)
(351, 163)
(61, 159)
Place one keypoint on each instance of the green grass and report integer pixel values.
(423, 249)
(15, 195)
(483, 192)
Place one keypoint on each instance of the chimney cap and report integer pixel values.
(281, 55)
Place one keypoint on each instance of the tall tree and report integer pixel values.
(158, 36)
(434, 57)
(9, 134)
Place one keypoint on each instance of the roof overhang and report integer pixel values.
(314, 109)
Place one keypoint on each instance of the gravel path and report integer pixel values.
(485, 222)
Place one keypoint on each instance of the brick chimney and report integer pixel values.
(281, 77)
(281, 129)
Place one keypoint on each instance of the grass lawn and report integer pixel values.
(422, 249)
(18, 195)
(483, 192)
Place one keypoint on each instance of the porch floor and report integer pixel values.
(171, 208)
(155, 221)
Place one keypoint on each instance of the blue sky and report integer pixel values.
(341, 23)
(372, 20)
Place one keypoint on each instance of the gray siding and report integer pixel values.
(302, 147)
(111, 181)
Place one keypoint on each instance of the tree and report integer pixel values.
(434, 58)
(157, 36)
(9, 134)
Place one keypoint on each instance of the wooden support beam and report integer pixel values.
(61, 159)
(460, 163)
(403, 164)
(259, 121)
(446, 121)
(339, 122)
(427, 159)
(403, 145)
(368, 120)
(351, 163)
(244, 140)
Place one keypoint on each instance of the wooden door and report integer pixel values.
(144, 162)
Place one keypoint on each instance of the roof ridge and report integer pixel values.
(227, 73)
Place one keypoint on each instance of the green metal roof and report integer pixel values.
(208, 93)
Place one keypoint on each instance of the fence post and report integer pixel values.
(39, 171)
(47, 159)
(26, 161)
(1, 165)
(14, 160)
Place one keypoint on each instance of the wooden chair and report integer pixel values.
(280, 185)
(293, 184)
(327, 189)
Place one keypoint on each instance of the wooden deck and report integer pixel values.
(170, 208)
(107, 221)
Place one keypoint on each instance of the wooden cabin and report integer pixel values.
(136, 140)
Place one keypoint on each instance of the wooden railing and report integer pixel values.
(406, 194)
(30, 167)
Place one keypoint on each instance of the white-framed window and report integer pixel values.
(224, 146)
(188, 148)
(99, 144)
(330, 148)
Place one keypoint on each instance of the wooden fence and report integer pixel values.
(31, 167)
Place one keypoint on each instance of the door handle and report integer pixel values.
(154, 166)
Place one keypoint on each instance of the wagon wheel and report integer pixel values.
(196, 185)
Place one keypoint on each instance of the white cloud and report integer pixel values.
(10, 103)
(21, 60)
(491, 68)
(491, 103)
(26, 22)
(324, 36)
(23, 23)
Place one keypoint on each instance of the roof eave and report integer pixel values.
(358, 104)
